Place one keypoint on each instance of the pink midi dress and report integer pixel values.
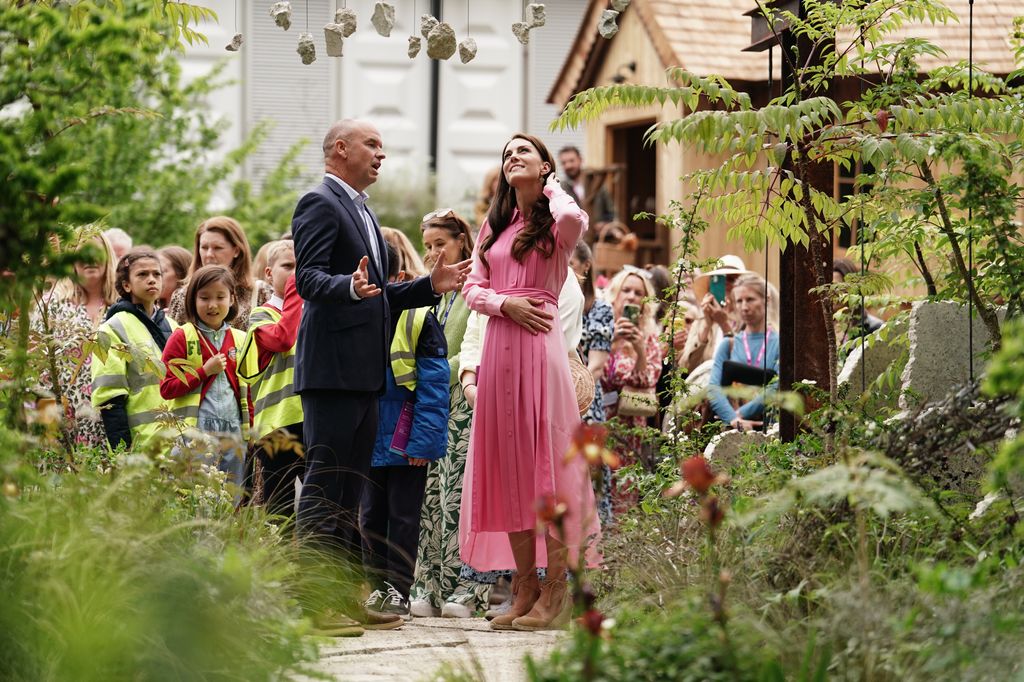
(526, 411)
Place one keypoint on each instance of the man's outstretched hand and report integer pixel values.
(361, 283)
(445, 278)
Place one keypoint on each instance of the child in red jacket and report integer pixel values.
(202, 379)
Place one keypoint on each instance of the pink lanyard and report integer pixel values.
(760, 356)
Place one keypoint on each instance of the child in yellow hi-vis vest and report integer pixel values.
(206, 393)
(126, 376)
(268, 362)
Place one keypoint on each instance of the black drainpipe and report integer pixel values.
(435, 93)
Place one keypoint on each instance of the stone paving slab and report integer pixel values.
(419, 649)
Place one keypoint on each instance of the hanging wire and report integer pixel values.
(863, 268)
(764, 384)
(307, 16)
(236, 16)
(970, 209)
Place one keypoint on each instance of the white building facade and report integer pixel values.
(478, 105)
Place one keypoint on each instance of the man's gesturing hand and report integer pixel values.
(445, 278)
(361, 283)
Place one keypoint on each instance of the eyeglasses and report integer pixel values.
(439, 213)
(634, 270)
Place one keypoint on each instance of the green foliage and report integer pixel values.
(1005, 376)
(143, 571)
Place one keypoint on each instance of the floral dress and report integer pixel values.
(70, 331)
(622, 372)
(598, 327)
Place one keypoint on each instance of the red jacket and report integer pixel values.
(171, 387)
(280, 337)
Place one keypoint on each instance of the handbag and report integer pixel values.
(582, 382)
(638, 402)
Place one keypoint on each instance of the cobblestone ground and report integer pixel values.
(418, 650)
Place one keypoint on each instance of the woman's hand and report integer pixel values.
(628, 332)
(552, 184)
(418, 462)
(679, 339)
(741, 424)
(714, 313)
(528, 313)
(470, 392)
(215, 365)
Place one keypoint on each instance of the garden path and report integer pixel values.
(418, 650)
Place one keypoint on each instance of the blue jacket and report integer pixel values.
(428, 437)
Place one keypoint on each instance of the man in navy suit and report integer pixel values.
(344, 337)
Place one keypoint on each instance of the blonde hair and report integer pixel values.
(69, 289)
(408, 259)
(649, 309)
(766, 290)
(275, 249)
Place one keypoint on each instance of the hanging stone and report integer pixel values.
(522, 31)
(607, 26)
(415, 42)
(346, 18)
(441, 41)
(383, 18)
(427, 24)
(467, 50)
(306, 49)
(334, 37)
(536, 14)
(620, 5)
(235, 43)
(282, 13)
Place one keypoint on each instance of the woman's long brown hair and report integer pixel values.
(537, 233)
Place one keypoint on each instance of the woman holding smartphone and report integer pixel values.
(717, 320)
(634, 364)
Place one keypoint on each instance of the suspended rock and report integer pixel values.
(383, 18)
(467, 50)
(607, 26)
(535, 14)
(346, 18)
(334, 37)
(306, 49)
(427, 24)
(282, 13)
(441, 41)
(415, 42)
(620, 5)
(235, 43)
(522, 31)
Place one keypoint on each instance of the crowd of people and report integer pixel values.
(408, 407)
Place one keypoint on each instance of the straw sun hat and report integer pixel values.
(730, 265)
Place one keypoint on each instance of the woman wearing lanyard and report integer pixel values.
(756, 345)
(439, 589)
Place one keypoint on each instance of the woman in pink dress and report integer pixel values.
(526, 409)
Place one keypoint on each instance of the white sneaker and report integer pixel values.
(421, 608)
(455, 610)
(499, 609)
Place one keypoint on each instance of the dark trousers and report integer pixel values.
(280, 469)
(390, 522)
(338, 428)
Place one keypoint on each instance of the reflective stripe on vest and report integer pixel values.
(275, 402)
(186, 407)
(403, 346)
(133, 369)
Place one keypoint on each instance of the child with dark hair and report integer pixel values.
(412, 432)
(126, 364)
(202, 378)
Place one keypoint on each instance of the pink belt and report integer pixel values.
(527, 292)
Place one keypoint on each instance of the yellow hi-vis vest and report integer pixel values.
(403, 346)
(135, 373)
(186, 407)
(276, 404)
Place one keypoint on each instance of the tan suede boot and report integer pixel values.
(552, 610)
(525, 591)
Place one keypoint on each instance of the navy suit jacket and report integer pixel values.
(343, 344)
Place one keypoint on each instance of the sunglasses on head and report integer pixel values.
(439, 213)
(634, 270)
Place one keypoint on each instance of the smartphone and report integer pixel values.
(631, 312)
(717, 288)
